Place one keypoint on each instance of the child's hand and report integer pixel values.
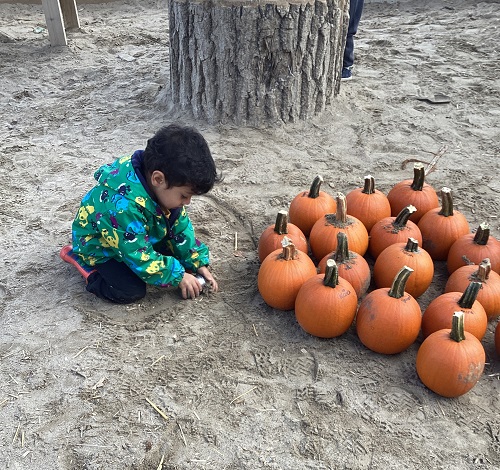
(190, 287)
(204, 271)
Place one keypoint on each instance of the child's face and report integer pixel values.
(169, 197)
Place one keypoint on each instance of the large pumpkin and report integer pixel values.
(389, 319)
(368, 204)
(323, 236)
(441, 227)
(472, 248)
(395, 256)
(273, 235)
(439, 312)
(489, 294)
(351, 266)
(392, 230)
(326, 304)
(309, 206)
(282, 274)
(450, 362)
(414, 192)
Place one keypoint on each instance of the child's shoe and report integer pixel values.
(67, 254)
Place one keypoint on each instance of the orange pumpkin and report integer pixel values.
(395, 256)
(282, 274)
(309, 206)
(368, 204)
(323, 236)
(489, 295)
(392, 230)
(441, 227)
(388, 319)
(473, 248)
(439, 312)
(351, 266)
(450, 362)
(273, 235)
(414, 192)
(326, 304)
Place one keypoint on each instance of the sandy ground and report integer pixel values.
(241, 385)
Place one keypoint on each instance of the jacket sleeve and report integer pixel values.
(184, 245)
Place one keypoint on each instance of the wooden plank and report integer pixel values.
(54, 20)
(70, 13)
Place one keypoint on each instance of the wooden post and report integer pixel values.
(253, 62)
(58, 15)
(54, 20)
(70, 13)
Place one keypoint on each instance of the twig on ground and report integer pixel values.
(243, 394)
(182, 434)
(159, 410)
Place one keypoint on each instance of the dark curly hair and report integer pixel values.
(181, 153)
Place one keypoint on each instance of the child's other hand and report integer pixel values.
(204, 271)
(190, 287)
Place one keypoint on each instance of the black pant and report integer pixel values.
(116, 282)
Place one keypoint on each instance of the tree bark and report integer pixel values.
(251, 62)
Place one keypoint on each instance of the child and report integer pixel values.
(132, 228)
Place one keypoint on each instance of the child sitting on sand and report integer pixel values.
(132, 228)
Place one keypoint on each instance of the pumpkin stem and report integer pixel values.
(482, 234)
(446, 203)
(418, 177)
(289, 250)
(457, 332)
(341, 214)
(483, 270)
(315, 186)
(281, 225)
(397, 289)
(470, 294)
(340, 218)
(342, 254)
(412, 245)
(331, 274)
(403, 217)
(369, 187)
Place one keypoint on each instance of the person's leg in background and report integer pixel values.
(355, 11)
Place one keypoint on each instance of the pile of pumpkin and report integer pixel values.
(404, 232)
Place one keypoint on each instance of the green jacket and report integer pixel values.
(119, 219)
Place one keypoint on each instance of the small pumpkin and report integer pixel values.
(309, 206)
(441, 227)
(392, 230)
(323, 236)
(326, 304)
(389, 319)
(368, 204)
(351, 266)
(414, 192)
(273, 235)
(439, 312)
(451, 361)
(472, 248)
(395, 256)
(282, 274)
(489, 295)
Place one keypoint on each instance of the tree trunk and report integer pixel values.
(252, 62)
